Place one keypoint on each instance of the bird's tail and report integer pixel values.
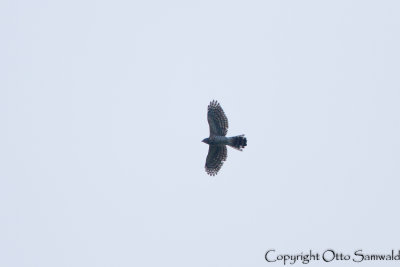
(238, 142)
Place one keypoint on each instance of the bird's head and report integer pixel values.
(205, 140)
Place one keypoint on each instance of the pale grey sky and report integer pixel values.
(103, 109)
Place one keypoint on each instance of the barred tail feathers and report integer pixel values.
(238, 142)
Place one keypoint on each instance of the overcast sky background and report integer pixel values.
(103, 109)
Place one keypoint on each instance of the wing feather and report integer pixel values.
(217, 119)
(215, 159)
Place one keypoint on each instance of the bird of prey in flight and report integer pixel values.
(217, 152)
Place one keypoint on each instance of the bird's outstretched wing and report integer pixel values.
(217, 119)
(215, 159)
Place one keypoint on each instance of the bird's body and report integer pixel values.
(217, 152)
(237, 142)
(217, 140)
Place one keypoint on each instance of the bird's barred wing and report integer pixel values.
(217, 119)
(215, 159)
